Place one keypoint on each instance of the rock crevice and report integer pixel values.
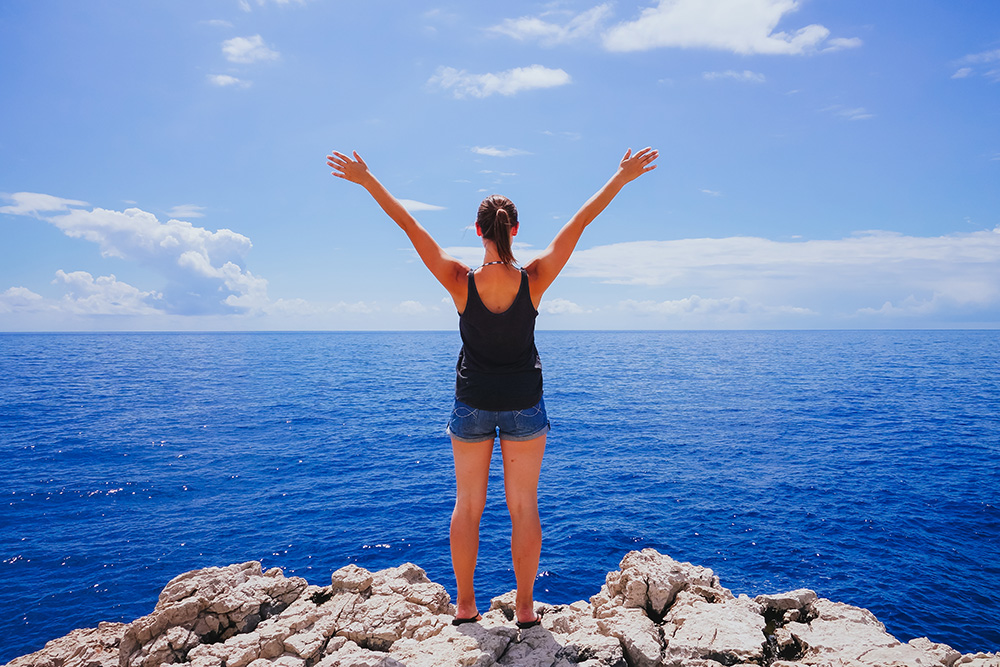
(651, 612)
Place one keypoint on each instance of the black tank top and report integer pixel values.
(498, 367)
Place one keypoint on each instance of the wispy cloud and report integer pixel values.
(34, 204)
(548, 30)
(982, 58)
(745, 76)
(226, 81)
(413, 206)
(187, 211)
(245, 50)
(849, 113)
(497, 151)
(509, 82)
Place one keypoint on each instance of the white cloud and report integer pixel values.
(496, 151)
(246, 50)
(744, 27)
(559, 306)
(549, 33)
(34, 203)
(850, 113)
(186, 211)
(983, 57)
(20, 299)
(510, 82)
(104, 295)
(841, 43)
(225, 81)
(204, 269)
(711, 193)
(413, 206)
(411, 308)
(696, 312)
(843, 276)
(217, 23)
(746, 76)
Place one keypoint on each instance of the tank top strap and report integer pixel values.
(473, 295)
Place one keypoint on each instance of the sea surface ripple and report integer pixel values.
(863, 465)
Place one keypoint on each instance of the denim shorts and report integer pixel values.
(469, 424)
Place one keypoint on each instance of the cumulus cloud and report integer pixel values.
(204, 270)
(558, 306)
(550, 31)
(245, 50)
(20, 299)
(104, 295)
(746, 27)
(510, 82)
(496, 151)
(414, 206)
(745, 76)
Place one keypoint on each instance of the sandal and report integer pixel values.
(530, 624)
(471, 619)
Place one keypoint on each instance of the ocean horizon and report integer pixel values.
(862, 464)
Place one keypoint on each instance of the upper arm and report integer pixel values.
(543, 270)
(450, 272)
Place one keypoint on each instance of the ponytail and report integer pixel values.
(496, 219)
(502, 237)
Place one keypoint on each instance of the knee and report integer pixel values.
(522, 508)
(470, 505)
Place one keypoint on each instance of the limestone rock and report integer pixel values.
(86, 647)
(652, 612)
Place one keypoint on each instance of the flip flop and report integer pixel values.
(471, 619)
(530, 624)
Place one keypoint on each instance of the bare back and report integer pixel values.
(497, 286)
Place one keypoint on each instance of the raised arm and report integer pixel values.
(543, 269)
(449, 271)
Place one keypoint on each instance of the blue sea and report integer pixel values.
(863, 465)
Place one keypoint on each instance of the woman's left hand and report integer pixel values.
(634, 166)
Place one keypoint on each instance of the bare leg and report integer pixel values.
(522, 464)
(472, 473)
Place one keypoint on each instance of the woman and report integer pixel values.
(499, 382)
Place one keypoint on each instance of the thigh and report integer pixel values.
(472, 468)
(522, 465)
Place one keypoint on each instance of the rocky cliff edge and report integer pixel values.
(653, 611)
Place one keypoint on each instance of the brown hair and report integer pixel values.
(496, 218)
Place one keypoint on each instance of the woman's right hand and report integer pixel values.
(355, 171)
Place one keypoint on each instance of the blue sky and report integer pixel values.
(824, 164)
